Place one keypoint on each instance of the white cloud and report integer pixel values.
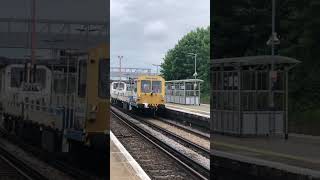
(155, 30)
(117, 9)
(144, 30)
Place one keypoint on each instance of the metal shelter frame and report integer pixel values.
(115, 72)
(52, 34)
(185, 91)
(248, 97)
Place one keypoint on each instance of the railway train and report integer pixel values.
(59, 105)
(144, 93)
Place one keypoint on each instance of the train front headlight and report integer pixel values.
(93, 113)
(146, 105)
(92, 116)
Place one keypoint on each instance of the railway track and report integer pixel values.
(193, 144)
(185, 128)
(186, 136)
(14, 168)
(56, 161)
(151, 152)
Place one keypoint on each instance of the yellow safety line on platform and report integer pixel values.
(265, 152)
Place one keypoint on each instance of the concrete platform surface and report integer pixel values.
(202, 110)
(122, 165)
(299, 150)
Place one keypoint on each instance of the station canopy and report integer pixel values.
(184, 80)
(255, 60)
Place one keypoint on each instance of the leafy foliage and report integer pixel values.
(244, 27)
(179, 65)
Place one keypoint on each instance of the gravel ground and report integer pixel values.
(183, 133)
(42, 167)
(155, 163)
(8, 172)
(204, 161)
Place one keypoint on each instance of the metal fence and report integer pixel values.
(185, 91)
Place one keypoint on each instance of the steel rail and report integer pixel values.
(188, 163)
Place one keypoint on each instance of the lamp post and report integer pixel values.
(195, 75)
(274, 40)
(120, 59)
(157, 65)
(195, 64)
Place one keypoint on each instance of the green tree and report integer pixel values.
(179, 65)
(242, 27)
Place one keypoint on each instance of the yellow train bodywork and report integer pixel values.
(150, 92)
(97, 124)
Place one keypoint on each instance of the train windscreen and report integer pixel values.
(18, 74)
(40, 78)
(116, 86)
(146, 86)
(16, 77)
(156, 87)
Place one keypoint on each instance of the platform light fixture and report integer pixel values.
(195, 64)
(157, 65)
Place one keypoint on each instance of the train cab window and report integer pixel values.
(118, 85)
(103, 89)
(115, 85)
(82, 84)
(41, 76)
(16, 77)
(156, 86)
(145, 86)
(128, 88)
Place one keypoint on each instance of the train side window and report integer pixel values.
(103, 82)
(82, 84)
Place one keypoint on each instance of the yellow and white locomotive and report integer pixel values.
(60, 103)
(143, 93)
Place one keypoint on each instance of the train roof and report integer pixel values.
(149, 76)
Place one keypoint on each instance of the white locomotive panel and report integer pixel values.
(41, 102)
(122, 91)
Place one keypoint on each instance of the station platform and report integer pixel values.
(299, 154)
(122, 164)
(202, 110)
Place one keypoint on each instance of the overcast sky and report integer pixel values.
(143, 30)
